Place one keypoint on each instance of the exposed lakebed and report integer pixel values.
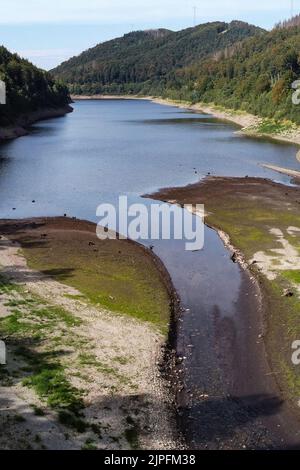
(107, 148)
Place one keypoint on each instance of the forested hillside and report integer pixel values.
(28, 88)
(146, 60)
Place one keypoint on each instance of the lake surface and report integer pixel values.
(110, 148)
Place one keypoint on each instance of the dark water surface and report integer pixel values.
(104, 148)
(107, 148)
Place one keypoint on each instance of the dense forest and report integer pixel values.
(234, 65)
(28, 88)
(256, 77)
(145, 60)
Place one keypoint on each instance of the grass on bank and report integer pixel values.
(248, 223)
(31, 332)
(113, 274)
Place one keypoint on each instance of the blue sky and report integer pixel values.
(50, 31)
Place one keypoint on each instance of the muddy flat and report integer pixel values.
(84, 340)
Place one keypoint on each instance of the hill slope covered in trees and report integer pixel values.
(235, 65)
(29, 90)
(146, 61)
(255, 76)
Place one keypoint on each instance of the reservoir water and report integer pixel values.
(110, 148)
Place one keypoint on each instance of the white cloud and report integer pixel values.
(124, 11)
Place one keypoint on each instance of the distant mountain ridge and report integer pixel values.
(31, 94)
(133, 62)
